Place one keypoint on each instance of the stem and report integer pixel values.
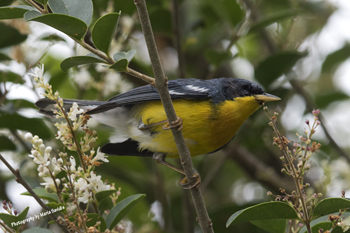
(42, 11)
(20, 180)
(75, 198)
(80, 153)
(56, 186)
(161, 84)
(177, 38)
(297, 179)
(7, 228)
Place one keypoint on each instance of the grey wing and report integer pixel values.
(178, 89)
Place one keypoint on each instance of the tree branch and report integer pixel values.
(20, 180)
(273, 48)
(161, 85)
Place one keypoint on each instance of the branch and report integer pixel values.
(20, 180)
(257, 169)
(177, 38)
(273, 48)
(34, 4)
(161, 85)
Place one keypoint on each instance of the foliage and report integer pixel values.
(218, 39)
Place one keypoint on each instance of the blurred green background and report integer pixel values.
(297, 50)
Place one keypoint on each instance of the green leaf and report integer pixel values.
(217, 58)
(104, 30)
(325, 226)
(79, 60)
(105, 204)
(123, 55)
(56, 207)
(272, 18)
(6, 2)
(93, 218)
(14, 12)
(334, 59)
(122, 60)
(10, 36)
(263, 211)
(6, 144)
(120, 65)
(58, 6)
(272, 225)
(104, 194)
(121, 209)
(31, 14)
(43, 194)
(4, 57)
(330, 205)
(8, 76)
(8, 219)
(37, 230)
(80, 9)
(274, 66)
(34, 125)
(73, 27)
(229, 11)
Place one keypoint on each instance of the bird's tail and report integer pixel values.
(46, 105)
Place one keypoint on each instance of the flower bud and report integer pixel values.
(48, 150)
(28, 137)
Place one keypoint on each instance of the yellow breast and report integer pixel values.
(206, 126)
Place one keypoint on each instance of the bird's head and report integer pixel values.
(243, 88)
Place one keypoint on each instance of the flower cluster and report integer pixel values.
(296, 157)
(80, 183)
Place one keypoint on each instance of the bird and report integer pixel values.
(210, 113)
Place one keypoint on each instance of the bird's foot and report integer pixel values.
(175, 124)
(184, 182)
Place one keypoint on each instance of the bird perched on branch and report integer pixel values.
(211, 112)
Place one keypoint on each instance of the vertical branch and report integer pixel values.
(177, 38)
(161, 85)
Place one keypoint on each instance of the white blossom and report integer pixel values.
(74, 111)
(100, 156)
(96, 183)
(49, 183)
(38, 71)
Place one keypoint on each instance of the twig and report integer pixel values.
(257, 169)
(272, 48)
(20, 180)
(177, 38)
(31, 2)
(161, 84)
(143, 77)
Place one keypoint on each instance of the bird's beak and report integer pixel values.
(266, 97)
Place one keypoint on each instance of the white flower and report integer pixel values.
(96, 183)
(73, 163)
(38, 71)
(100, 156)
(49, 183)
(74, 111)
(83, 190)
(56, 166)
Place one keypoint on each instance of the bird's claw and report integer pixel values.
(175, 124)
(184, 182)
